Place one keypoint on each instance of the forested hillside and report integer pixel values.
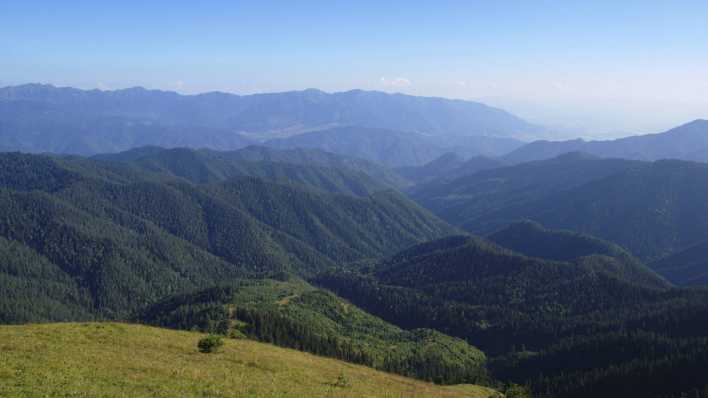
(653, 210)
(88, 238)
(313, 168)
(463, 200)
(395, 148)
(231, 243)
(685, 267)
(449, 166)
(294, 314)
(532, 239)
(543, 322)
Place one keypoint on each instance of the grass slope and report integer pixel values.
(296, 315)
(123, 360)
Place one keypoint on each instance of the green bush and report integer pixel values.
(342, 381)
(210, 343)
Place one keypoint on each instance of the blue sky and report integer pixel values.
(605, 66)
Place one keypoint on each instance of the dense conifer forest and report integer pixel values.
(325, 254)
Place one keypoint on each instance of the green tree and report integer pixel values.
(210, 344)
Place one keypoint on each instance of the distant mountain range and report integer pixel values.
(395, 148)
(653, 209)
(463, 200)
(44, 118)
(686, 142)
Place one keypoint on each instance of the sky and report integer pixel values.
(590, 68)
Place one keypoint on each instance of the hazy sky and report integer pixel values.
(602, 66)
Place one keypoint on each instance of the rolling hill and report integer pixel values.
(498, 291)
(686, 142)
(532, 239)
(462, 201)
(685, 267)
(296, 315)
(309, 168)
(447, 167)
(86, 238)
(575, 328)
(387, 147)
(653, 210)
(394, 148)
(111, 359)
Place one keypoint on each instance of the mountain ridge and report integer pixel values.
(110, 238)
(685, 142)
(308, 109)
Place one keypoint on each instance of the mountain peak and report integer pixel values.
(701, 124)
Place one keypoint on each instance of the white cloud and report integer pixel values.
(102, 86)
(178, 85)
(396, 82)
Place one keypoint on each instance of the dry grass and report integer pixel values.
(122, 360)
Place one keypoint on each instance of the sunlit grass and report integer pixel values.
(122, 360)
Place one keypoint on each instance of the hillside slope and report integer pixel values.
(570, 329)
(294, 314)
(495, 298)
(448, 167)
(109, 360)
(394, 148)
(532, 239)
(310, 167)
(90, 238)
(686, 142)
(685, 267)
(653, 210)
(462, 201)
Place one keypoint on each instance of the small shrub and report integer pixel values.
(209, 344)
(342, 381)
